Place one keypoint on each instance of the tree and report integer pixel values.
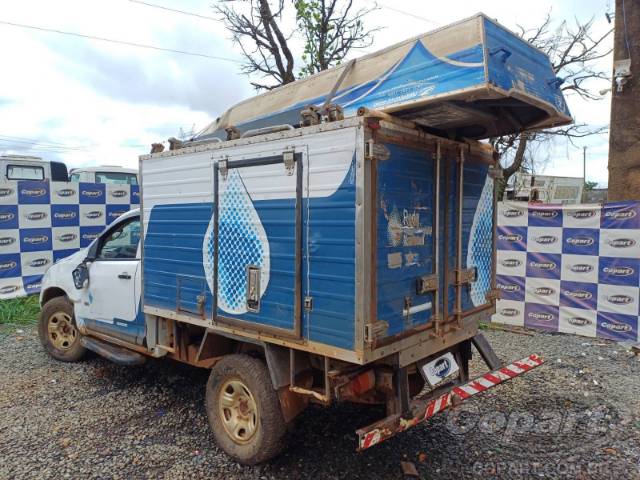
(574, 52)
(590, 185)
(331, 29)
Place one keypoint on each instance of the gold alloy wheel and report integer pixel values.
(238, 411)
(62, 332)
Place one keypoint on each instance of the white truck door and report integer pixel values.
(110, 303)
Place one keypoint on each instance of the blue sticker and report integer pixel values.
(8, 217)
(35, 239)
(510, 287)
(30, 192)
(88, 235)
(10, 265)
(620, 215)
(512, 238)
(619, 271)
(579, 295)
(543, 265)
(93, 193)
(541, 216)
(616, 326)
(65, 215)
(546, 317)
(580, 241)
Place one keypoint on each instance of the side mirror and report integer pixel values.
(80, 276)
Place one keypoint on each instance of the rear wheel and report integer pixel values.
(244, 410)
(58, 332)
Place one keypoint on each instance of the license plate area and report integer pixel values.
(439, 369)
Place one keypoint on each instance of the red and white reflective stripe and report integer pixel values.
(462, 392)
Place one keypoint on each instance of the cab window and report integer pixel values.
(75, 177)
(121, 243)
(119, 178)
(25, 172)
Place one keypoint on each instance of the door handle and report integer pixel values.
(124, 276)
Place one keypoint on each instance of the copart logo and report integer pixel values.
(620, 214)
(542, 265)
(4, 241)
(512, 213)
(545, 317)
(582, 214)
(511, 262)
(510, 312)
(93, 214)
(89, 236)
(442, 368)
(34, 216)
(546, 239)
(509, 288)
(38, 262)
(579, 294)
(66, 192)
(620, 299)
(8, 265)
(617, 327)
(619, 271)
(36, 239)
(544, 213)
(67, 237)
(579, 321)
(580, 241)
(581, 268)
(544, 291)
(511, 237)
(34, 192)
(92, 193)
(622, 242)
(118, 193)
(7, 216)
(5, 191)
(64, 215)
(7, 289)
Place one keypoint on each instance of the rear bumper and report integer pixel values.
(422, 410)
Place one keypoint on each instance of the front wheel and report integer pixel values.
(58, 332)
(244, 410)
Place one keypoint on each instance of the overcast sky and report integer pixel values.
(90, 102)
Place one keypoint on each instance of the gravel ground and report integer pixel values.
(578, 416)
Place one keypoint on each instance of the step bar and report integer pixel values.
(422, 410)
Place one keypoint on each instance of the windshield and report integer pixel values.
(119, 178)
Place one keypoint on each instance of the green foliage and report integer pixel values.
(590, 185)
(19, 311)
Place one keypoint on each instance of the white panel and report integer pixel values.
(618, 299)
(578, 321)
(512, 263)
(510, 312)
(619, 243)
(513, 214)
(579, 268)
(542, 290)
(544, 239)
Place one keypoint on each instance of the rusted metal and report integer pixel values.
(460, 205)
(436, 240)
(426, 284)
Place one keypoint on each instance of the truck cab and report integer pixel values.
(105, 174)
(23, 167)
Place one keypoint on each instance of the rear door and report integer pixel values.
(405, 192)
(257, 241)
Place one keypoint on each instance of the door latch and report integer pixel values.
(223, 167)
(253, 288)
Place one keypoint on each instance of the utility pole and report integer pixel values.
(624, 135)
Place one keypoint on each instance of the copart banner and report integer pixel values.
(41, 222)
(572, 269)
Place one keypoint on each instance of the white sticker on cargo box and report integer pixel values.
(437, 370)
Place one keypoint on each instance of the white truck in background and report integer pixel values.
(105, 174)
(24, 167)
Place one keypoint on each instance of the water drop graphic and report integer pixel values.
(242, 242)
(480, 248)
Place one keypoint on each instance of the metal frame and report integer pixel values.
(296, 330)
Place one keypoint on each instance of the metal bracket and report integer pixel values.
(462, 277)
(308, 303)
(376, 151)
(289, 162)
(426, 284)
(223, 167)
(375, 330)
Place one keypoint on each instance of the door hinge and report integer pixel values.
(464, 276)
(426, 284)
(289, 162)
(223, 167)
(376, 151)
(375, 330)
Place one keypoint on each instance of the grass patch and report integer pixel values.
(19, 311)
